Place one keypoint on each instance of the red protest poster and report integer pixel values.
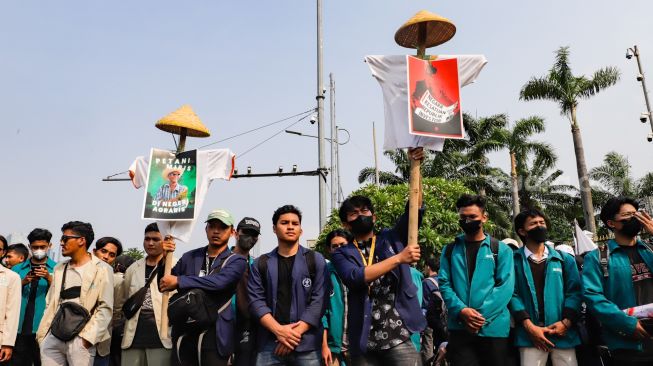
(434, 98)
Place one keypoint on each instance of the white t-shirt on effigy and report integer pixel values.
(211, 164)
(391, 73)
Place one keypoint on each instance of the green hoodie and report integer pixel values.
(488, 293)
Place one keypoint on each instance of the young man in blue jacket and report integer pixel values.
(477, 282)
(434, 337)
(384, 309)
(618, 276)
(288, 292)
(547, 296)
(203, 268)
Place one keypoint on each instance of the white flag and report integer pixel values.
(583, 243)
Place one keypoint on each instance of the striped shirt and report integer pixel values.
(164, 193)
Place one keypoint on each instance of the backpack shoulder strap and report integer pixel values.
(262, 265)
(448, 251)
(603, 259)
(309, 255)
(494, 246)
(434, 282)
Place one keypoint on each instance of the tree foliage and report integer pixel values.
(135, 253)
(440, 222)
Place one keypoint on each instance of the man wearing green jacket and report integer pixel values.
(334, 345)
(619, 276)
(547, 296)
(477, 283)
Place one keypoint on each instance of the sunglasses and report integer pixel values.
(64, 238)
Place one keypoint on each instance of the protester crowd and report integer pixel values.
(483, 301)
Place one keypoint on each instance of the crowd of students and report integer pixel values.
(482, 301)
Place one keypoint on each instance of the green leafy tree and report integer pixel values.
(560, 85)
(440, 222)
(135, 253)
(616, 177)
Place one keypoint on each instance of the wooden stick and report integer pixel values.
(165, 298)
(415, 165)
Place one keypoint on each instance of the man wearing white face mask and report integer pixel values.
(36, 276)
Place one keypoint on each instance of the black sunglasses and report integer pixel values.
(64, 238)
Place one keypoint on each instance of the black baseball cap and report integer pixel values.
(249, 223)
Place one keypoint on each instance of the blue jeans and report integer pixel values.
(403, 354)
(267, 357)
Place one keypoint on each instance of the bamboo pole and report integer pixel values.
(165, 298)
(415, 165)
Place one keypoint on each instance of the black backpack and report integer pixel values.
(194, 307)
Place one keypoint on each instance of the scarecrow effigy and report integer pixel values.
(177, 181)
(421, 94)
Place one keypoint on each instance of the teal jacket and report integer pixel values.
(334, 316)
(606, 297)
(562, 295)
(417, 277)
(488, 293)
(41, 292)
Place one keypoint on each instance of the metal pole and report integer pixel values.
(320, 120)
(338, 190)
(334, 142)
(376, 158)
(641, 72)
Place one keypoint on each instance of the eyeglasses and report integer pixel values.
(64, 238)
(174, 174)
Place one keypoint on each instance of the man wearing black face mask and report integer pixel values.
(477, 282)
(383, 307)
(247, 235)
(618, 276)
(547, 296)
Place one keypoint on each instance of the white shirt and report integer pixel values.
(391, 73)
(528, 253)
(211, 164)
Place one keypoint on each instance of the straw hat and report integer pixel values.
(438, 30)
(183, 117)
(167, 171)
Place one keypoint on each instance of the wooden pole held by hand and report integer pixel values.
(167, 270)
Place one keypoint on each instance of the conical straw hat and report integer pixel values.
(438, 30)
(183, 117)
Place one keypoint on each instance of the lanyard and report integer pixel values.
(371, 257)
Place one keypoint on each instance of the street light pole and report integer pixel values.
(320, 120)
(334, 142)
(641, 78)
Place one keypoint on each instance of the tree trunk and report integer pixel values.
(583, 178)
(515, 186)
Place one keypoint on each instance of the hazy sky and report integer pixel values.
(82, 84)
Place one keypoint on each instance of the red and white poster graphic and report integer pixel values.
(434, 98)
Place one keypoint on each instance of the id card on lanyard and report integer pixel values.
(370, 259)
(206, 270)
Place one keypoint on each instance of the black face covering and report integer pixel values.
(246, 242)
(630, 227)
(538, 234)
(470, 227)
(362, 225)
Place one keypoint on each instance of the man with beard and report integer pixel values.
(247, 233)
(215, 270)
(142, 343)
(547, 296)
(618, 276)
(477, 282)
(384, 308)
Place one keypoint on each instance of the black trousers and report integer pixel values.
(26, 351)
(465, 349)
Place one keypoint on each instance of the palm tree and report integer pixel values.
(563, 87)
(616, 177)
(517, 141)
